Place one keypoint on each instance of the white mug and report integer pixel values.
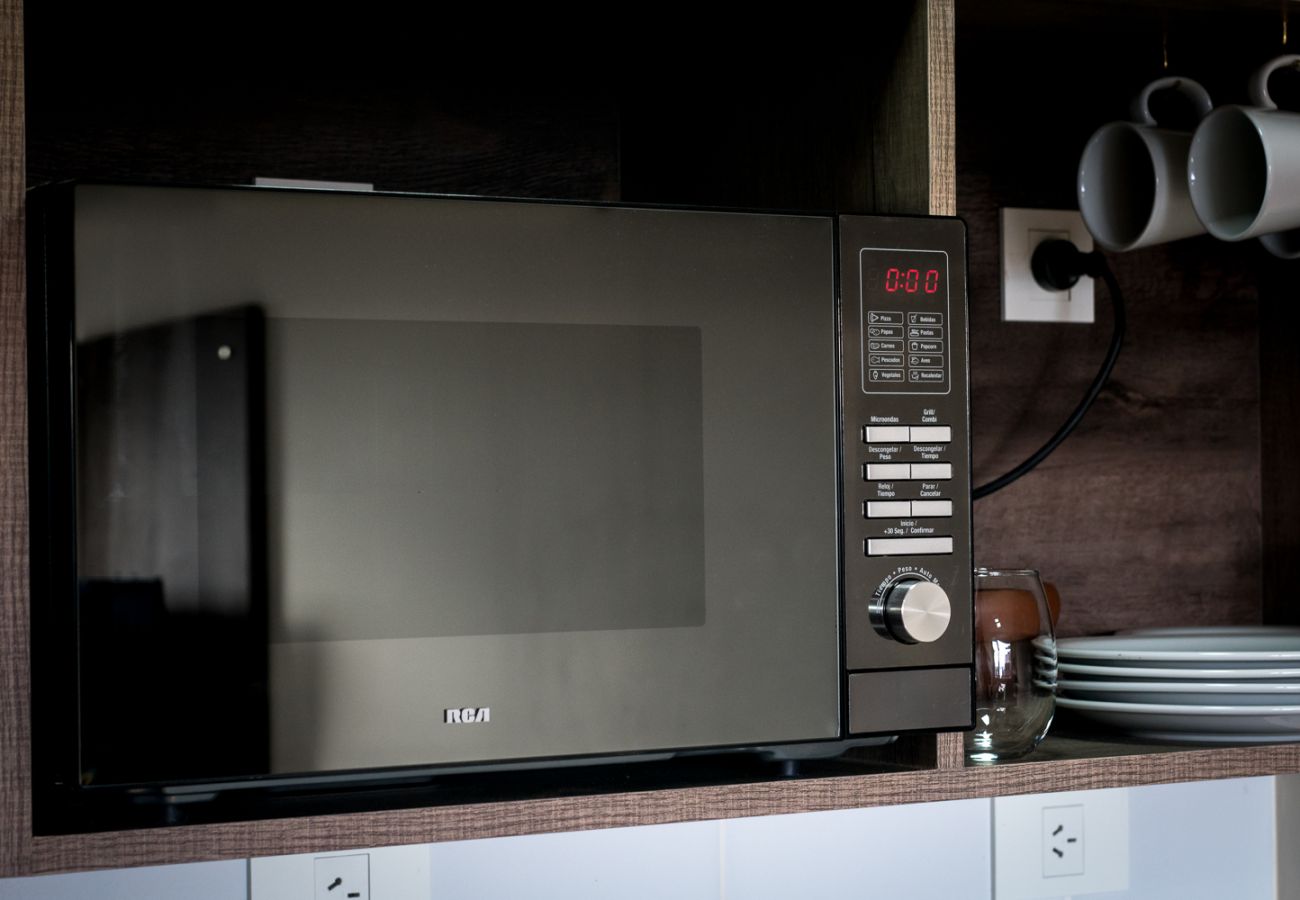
(1244, 169)
(1132, 183)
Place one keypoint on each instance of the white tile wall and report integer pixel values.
(930, 850)
(1213, 840)
(199, 881)
(1189, 842)
(659, 861)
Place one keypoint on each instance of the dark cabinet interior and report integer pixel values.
(762, 115)
(1172, 503)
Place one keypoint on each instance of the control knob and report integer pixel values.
(916, 611)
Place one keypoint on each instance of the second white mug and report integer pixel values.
(1132, 183)
(1244, 169)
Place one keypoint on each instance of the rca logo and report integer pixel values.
(467, 715)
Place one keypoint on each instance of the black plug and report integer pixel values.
(1057, 264)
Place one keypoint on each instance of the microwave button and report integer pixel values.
(931, 470)
(908, 546)
(887, 471)
(931, 434)
(888, 509)
(887, 434)
(931, 508)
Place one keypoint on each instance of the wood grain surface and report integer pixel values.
(329, 833)
(901, 151)
(1279, 373)
(941, 79)
(15, 760)
(1150, 513)
(949, 751)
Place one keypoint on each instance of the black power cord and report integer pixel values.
(1057, 265)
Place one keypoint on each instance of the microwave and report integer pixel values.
(345, 491)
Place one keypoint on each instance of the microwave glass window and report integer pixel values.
(422, 479)
(458, 478)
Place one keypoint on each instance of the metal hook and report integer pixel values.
(1164, 40)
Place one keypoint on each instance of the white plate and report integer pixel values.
(1084, 672)
(1184, 693)
(1192, 737)
(1168, 719)
(1211, 630)
(1183, 651)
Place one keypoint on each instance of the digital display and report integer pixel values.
(909, 281)
(905, 339)
(905, 275)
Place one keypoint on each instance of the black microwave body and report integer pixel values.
(410, 498)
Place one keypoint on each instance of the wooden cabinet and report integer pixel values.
(862, 119)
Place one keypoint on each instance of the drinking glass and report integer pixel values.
(1015, 665)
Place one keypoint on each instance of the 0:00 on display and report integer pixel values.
(909, 281)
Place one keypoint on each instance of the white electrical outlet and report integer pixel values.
(1054, 845)
(1023, 299)
(343, 877)
(1062, 834)
(393, 873)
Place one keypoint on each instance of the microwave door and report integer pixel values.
(541, 480)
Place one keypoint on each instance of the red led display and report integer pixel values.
(909, 281)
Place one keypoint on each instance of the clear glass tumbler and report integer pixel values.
(1015, 665)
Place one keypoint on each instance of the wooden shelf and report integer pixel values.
(895, 154)
(1060, 764)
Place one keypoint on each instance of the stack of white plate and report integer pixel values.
(1198, 685)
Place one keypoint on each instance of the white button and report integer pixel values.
(908, 546)
(931, 470)
(888, 509)
(931, 434)
(892, 434)
(888, 471)
(932, 507)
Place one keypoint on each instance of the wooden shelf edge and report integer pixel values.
(941, 91)
(490, 820)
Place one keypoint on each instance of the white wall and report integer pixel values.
(1213, 840)
(869, 853)
(198, 881)
(1188, 841)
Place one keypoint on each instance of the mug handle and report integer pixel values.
(1259, 81)
(1192, 90)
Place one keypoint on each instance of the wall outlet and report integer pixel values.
(393, 873)
(343, 877)
(1062, 835)
(1023, 300)
(1067, 844)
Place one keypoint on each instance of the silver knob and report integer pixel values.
(917, 612)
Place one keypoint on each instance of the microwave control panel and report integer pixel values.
(906, 472)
